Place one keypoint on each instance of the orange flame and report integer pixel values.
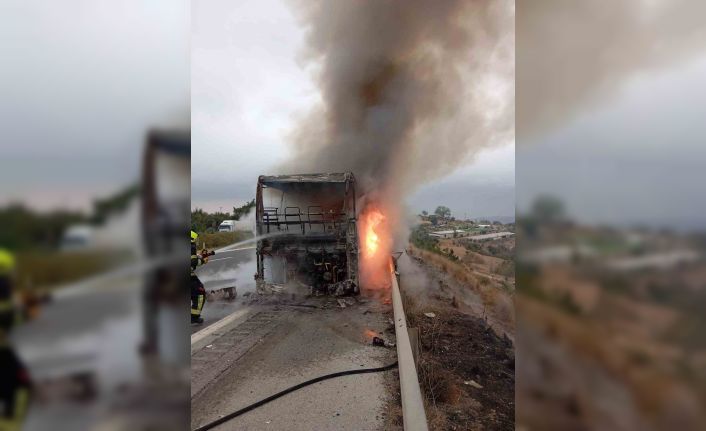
(372, 240)
(375, 242)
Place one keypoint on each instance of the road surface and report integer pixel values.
(97, 331)
(93, 331)
(270, 347)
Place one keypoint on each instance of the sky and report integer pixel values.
(249, 88)
(86, 81)
(637, 158)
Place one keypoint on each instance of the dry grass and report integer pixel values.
(411, 309)
(222, 239)
(650, 387)
(474, 258)
(458, 270)
(447, 402)
(505, 309)
(496, 300)
(455, 346)
(437, 384)
(393, 418)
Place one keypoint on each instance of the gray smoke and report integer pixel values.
(410, 89)
(573, 55)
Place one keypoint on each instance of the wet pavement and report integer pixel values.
(273, 347)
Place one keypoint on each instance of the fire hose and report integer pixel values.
(264, 401)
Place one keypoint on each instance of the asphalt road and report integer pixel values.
(270, 345)
(273, 347)
(98, 332)
(268, 348)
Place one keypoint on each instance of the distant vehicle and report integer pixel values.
(77, 237)
(236, 225)
(227, 226)
(117, 232)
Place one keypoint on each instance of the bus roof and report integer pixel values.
(307, 178)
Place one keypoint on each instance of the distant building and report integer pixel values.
(449, 233)
(549, 254)
(557, 254)
(490, 236)
(659, 261)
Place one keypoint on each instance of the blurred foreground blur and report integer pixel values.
(94, 207)
(105, 333)
(611, 325)
(611, 273)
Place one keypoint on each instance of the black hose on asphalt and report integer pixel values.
(264, 401)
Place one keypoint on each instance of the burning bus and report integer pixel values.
(306, 225)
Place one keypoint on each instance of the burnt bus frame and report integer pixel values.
(264, 222)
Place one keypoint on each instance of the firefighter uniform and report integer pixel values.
(14, 379)
(198, 291)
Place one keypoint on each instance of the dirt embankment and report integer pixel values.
(466, 365)
(431, 278)
(596, 357)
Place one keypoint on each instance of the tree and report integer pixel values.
(443, 212)
(201, 221)
(425, 213)
(24, 228)
(118, 202)
(243, 210)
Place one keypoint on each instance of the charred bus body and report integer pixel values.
(165, 222)
(308, 236)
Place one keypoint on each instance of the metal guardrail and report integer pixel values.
(413, 414)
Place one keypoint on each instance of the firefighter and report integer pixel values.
(14, 379)
(198, 291)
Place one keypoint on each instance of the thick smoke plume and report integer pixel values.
(410, 89)
(573, 55)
